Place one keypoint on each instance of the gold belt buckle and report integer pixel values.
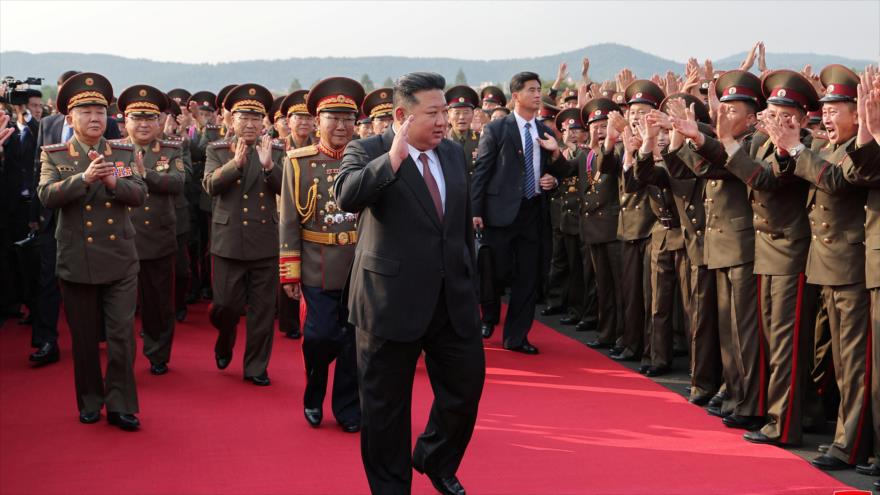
(342, 238)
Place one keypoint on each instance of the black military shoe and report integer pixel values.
(46, 354)
(585, 326)
(569, 320)
(127, 422)
(222, 361)
(743, 422)
(552, 310)
(758, 437)
(827, 462)
(293, 334)
(596, 344)
(700, 400)
(89, 417)
(313, 416)
(351, 426)
(487, 329)
(718, 399)
(181, 315)
(869, 469)
(261, 380)
(158, 369)
(657, 371)
(447, 486)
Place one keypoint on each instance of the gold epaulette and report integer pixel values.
(171, 144)
(213, 126)
(219, 144)
(120, 144)
(51, 148)
(304, 151)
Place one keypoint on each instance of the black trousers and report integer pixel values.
(327, 337)
(456, 367)
(560, 269)
(517, 263)
(288, 313)
(182, 272)
(156, 287)
(48, 302)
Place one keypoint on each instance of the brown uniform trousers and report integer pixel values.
(600, 208)
(689, 194)
(156, 242)
(730, 252)
(244, 245)
(787, 305)
(635, 222)
(97, 267)
(669, 261)
(579, 285)
(865, 171)
(836, 261)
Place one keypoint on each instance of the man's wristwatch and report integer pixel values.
(793, 152)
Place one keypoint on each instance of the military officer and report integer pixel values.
(570, 99)
(461, 101)
(155, 222)
(317, 248)
(492, 97)
(243, 175)
(782, 239)
(180, 96)
(378, 107)
(729, 245)
(281, 130)
(90, 183)
(836, 260)
(300, 122)
(364, 127)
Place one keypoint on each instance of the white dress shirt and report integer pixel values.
(436, 170)
(536, 147)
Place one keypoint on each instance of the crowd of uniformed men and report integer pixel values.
(727, 217)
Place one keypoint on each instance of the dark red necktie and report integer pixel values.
(433, 189)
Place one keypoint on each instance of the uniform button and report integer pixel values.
(813, 207)
(89, 240)
(129, 208)
(244, 210)
(146, 222)
(245, 196)
(714, 183)
(755, 217)
(263, 221)
(244, 222)
(814, 236)
(319, 196)
(761, 205)
(324, 228)
(699, 232)
(822, 207)
(826, 240)
(765, 221)
(262, 194)
(89, 224)
(108, 204)
(638, 207)
(825, 224)
(720, 231)
(112, 237)
(812, 222)
(148, 195)
(88, 207)
(714, 215)
(694, 221)
(623, 208)
(109, 221)
(238, 181)
(146, 208)
(708, 229)
(263, 207)
(711, 200)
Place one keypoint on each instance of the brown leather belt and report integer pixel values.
(330, 238)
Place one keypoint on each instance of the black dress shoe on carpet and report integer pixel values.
(569, 320)
(585, 326)
(626, 355)
(596, 344)
(222, 361)
(447, 486)
(351, 427)
(127, 422)
(158, 369)
(877, 485)
(718, 399)
(181, 315)
(261, 380)
(827, 462)
(524, 348)
(293, 334)
(643, 369)
(869, 469)
(657, 371)
(743, 422)
(46, 354)
(700, 400)
(717, 412)
(758, 437)
(487, 330)
(89, 417)
(552, 311)
(313, 416)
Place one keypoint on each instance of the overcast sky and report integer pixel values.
(218, 31)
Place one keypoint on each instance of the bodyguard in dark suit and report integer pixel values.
(412, 289)
(510, 205)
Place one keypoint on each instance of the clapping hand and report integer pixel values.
(264, 152)
(240, 157)
(5, 131)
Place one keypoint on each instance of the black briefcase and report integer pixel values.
(485, 270)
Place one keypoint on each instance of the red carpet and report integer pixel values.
(567, 421)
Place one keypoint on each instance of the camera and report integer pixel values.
(17, 92)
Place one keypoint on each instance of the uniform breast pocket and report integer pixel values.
(741, 223)
(221, 217)
(855, 236)
(380, 265)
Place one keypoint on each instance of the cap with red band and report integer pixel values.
(840, 83)
(739, 85)
(791, 89)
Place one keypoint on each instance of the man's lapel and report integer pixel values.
(410, 175)
(515, 138)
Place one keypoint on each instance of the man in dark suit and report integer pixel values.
(53, 129)
(509, 204)
(412, 289)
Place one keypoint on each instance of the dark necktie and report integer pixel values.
(25, 132)
(433, 189)
(529, 177)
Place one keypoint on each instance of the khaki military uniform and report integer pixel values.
(156, 242)
(787, 305)
(182, 269)
(469, 141)
(97, 267)
(836, 261)
(244, 245)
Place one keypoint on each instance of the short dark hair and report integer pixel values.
(519, 80)
(504, 110)
(408, 85)
(66, 75)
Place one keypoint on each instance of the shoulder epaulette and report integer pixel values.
(213, 126)
(171, 144)
(174, 138)
(304, 151)
(219, 144)
(120, 144)
(475, 135)
(52, 148)
(278, 144)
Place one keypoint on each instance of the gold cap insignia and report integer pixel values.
(781, 93)
(89, 81)
(732, 91)
(252, 91)
(142, 92)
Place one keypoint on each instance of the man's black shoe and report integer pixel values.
(293, 334)
(743, 422)
(700, 400)
(447, 486)
(89, 417)
(552, 310)
(313, 416)
(596, 344)
(569, 320)
(626, 355)
(158, 369)
(46, 354)
(585, 326)
(524, 348)
(222, 361)
(718, 399)
(827, 462)
(716, 411)
(869, 469)
(758, 437)
(127, 422)
(487, 329)
(261, 380)
(181, 315)
(644, 368)
(657, 371)
(352, 427)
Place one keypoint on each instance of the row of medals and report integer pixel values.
(332, 213)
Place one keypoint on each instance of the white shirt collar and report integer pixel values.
(521, 122)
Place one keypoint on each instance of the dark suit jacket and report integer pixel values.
(405, 255)
(17, 171)
(497, 182)
(49, 133)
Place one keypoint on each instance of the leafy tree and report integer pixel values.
(367, 83)
(294, 85)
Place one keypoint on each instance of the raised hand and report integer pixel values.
(750, 58)
(660, 119)
(714, 102)
(683, 120)
(139, 163)
(672, 84)
(169, 129)
(710, 69)
(814, 79)
(548, 182)
(97, 168)
(399, 147)
(724, 125)
(561, 74)
(585, 69)
(784, 135)
(762, 59)
(240, 153)
(5, 131)
(869, 104)
(264, 152)
(549, 143)
(624, 78)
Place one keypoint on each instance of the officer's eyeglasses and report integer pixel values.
(336, 120)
